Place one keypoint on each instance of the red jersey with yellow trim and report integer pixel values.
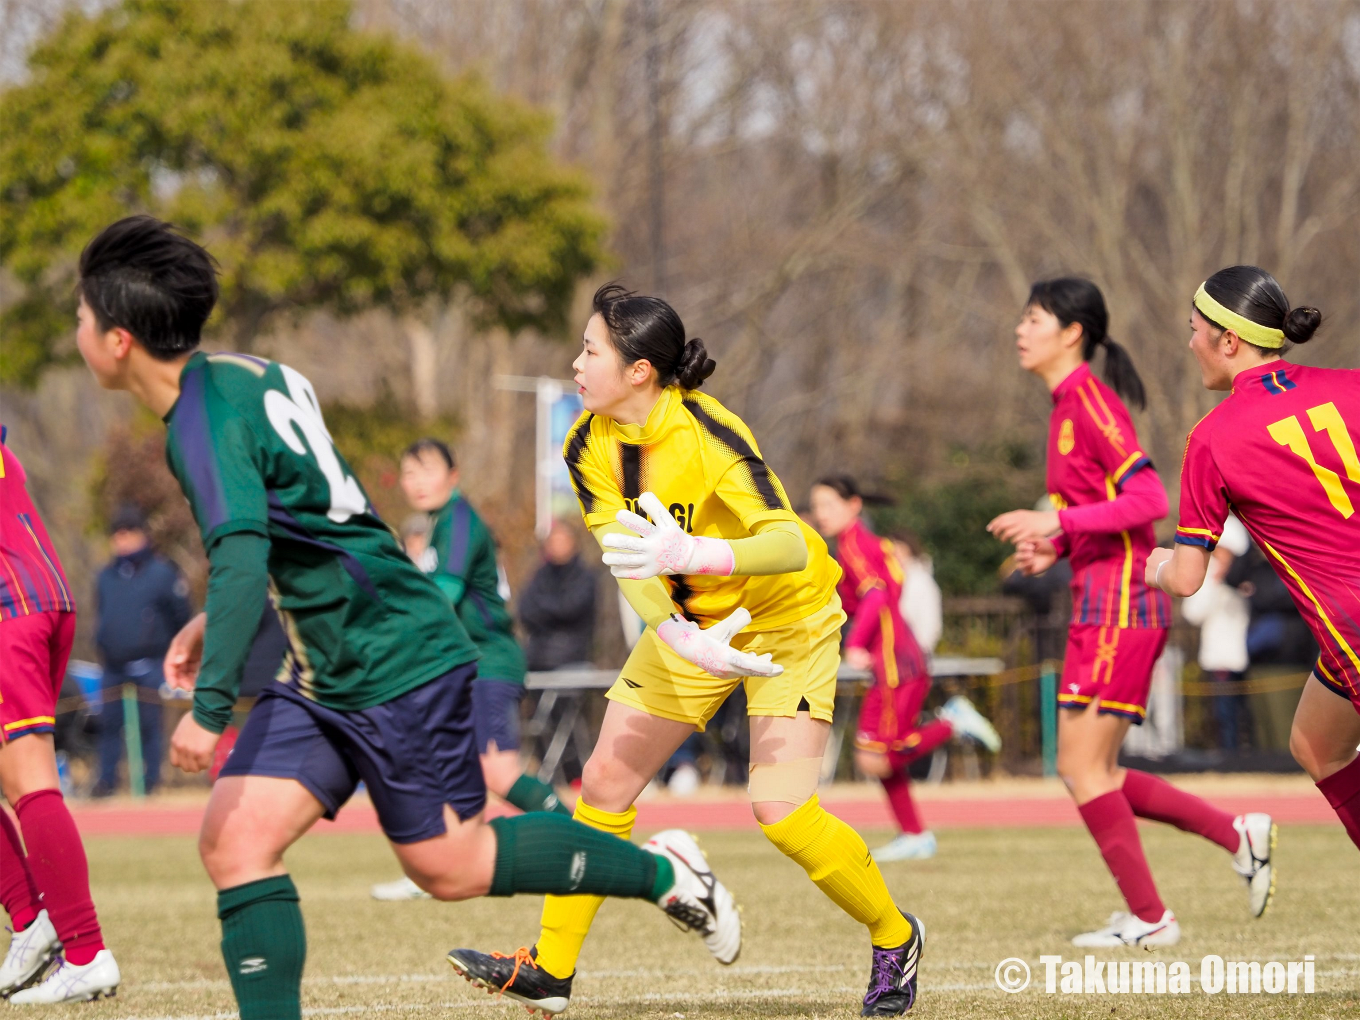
(870, 589)
(1092, 451)
(31, 579)
(1280, 452)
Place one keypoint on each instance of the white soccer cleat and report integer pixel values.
(698, 901)
(908, 846)
(1253, 858)
(967, 721)
(402, 889)
(30, 951)
(66, 982)
(1127, 930)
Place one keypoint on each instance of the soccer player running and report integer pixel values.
(888, 737)
(374, 687)
(460, 556)
(1280, 452)
(1107, 495)
(732, 586)
(56, 952)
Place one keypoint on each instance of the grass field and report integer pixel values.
(989, 895)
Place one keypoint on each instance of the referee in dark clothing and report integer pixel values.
(142, 601)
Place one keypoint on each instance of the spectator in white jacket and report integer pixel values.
(1223, 616)
(921, 605)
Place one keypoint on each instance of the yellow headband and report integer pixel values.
(1251, 332)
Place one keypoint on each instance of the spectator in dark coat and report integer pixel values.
(142, 601)
(557, 608)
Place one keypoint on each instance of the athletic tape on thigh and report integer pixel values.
(792, 782)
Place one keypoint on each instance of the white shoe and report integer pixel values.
(1127, 930)
(30, 951)
(908, 846)
(698, 901)
(684, 781)
(967, 721)
(68, 983)
(402, 889)
(1253, 858)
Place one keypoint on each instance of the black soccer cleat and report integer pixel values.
(515, 975)
(892, 979)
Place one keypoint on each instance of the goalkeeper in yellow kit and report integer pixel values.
(733, 587)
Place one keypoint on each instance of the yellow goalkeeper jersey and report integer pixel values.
(702, 462)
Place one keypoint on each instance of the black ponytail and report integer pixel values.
(1073, 299)
(1254, 294)
(846, 488)
(648, 328)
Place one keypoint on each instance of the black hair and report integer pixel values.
(141, 275)
(1256, 295)
(421, 447)
(1074, 299)
(846, 488)
(642, 327)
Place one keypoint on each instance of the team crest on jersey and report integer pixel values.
(1067, 438)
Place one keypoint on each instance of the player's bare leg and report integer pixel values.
(1323, 740)
(49, 864)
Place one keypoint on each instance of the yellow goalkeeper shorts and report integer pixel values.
(657, 681)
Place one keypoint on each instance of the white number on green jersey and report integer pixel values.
(301, 409)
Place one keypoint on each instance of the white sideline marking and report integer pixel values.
(384, 979)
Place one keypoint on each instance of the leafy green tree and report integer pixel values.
(324, 167)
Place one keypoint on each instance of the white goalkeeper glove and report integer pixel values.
(660, 546)
(709, 649)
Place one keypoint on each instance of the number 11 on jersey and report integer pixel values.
(1326, 419)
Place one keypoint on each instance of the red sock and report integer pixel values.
(1110, 820)
(898, 789)
(1342, 790)
(17, 891)
(1151, 797)
(56, 859)
(920, 743)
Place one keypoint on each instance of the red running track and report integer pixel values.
(963, 813)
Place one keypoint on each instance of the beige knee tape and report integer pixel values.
(791, 782)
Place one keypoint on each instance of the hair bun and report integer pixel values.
(695, 365)
(1301, 323)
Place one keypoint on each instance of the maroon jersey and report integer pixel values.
(1092, 451)
(1280, 451)
(31, 580)
(870, 589)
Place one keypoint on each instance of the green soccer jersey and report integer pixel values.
(248, 445)
(461, 557)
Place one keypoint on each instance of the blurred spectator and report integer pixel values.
(1277, 634)
(141, 601)
(415, 535)
(1223, 616)
(1279, 645)
(921, 605)
(557, 607)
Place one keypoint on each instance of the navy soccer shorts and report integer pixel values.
(495, 714)
(414, 753)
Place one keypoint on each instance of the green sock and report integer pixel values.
(530, 794)
(264, 946)
(546, 853)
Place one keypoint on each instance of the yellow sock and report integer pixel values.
(567, 919)
(838, 862)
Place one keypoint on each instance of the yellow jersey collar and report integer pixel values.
(657, 420)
